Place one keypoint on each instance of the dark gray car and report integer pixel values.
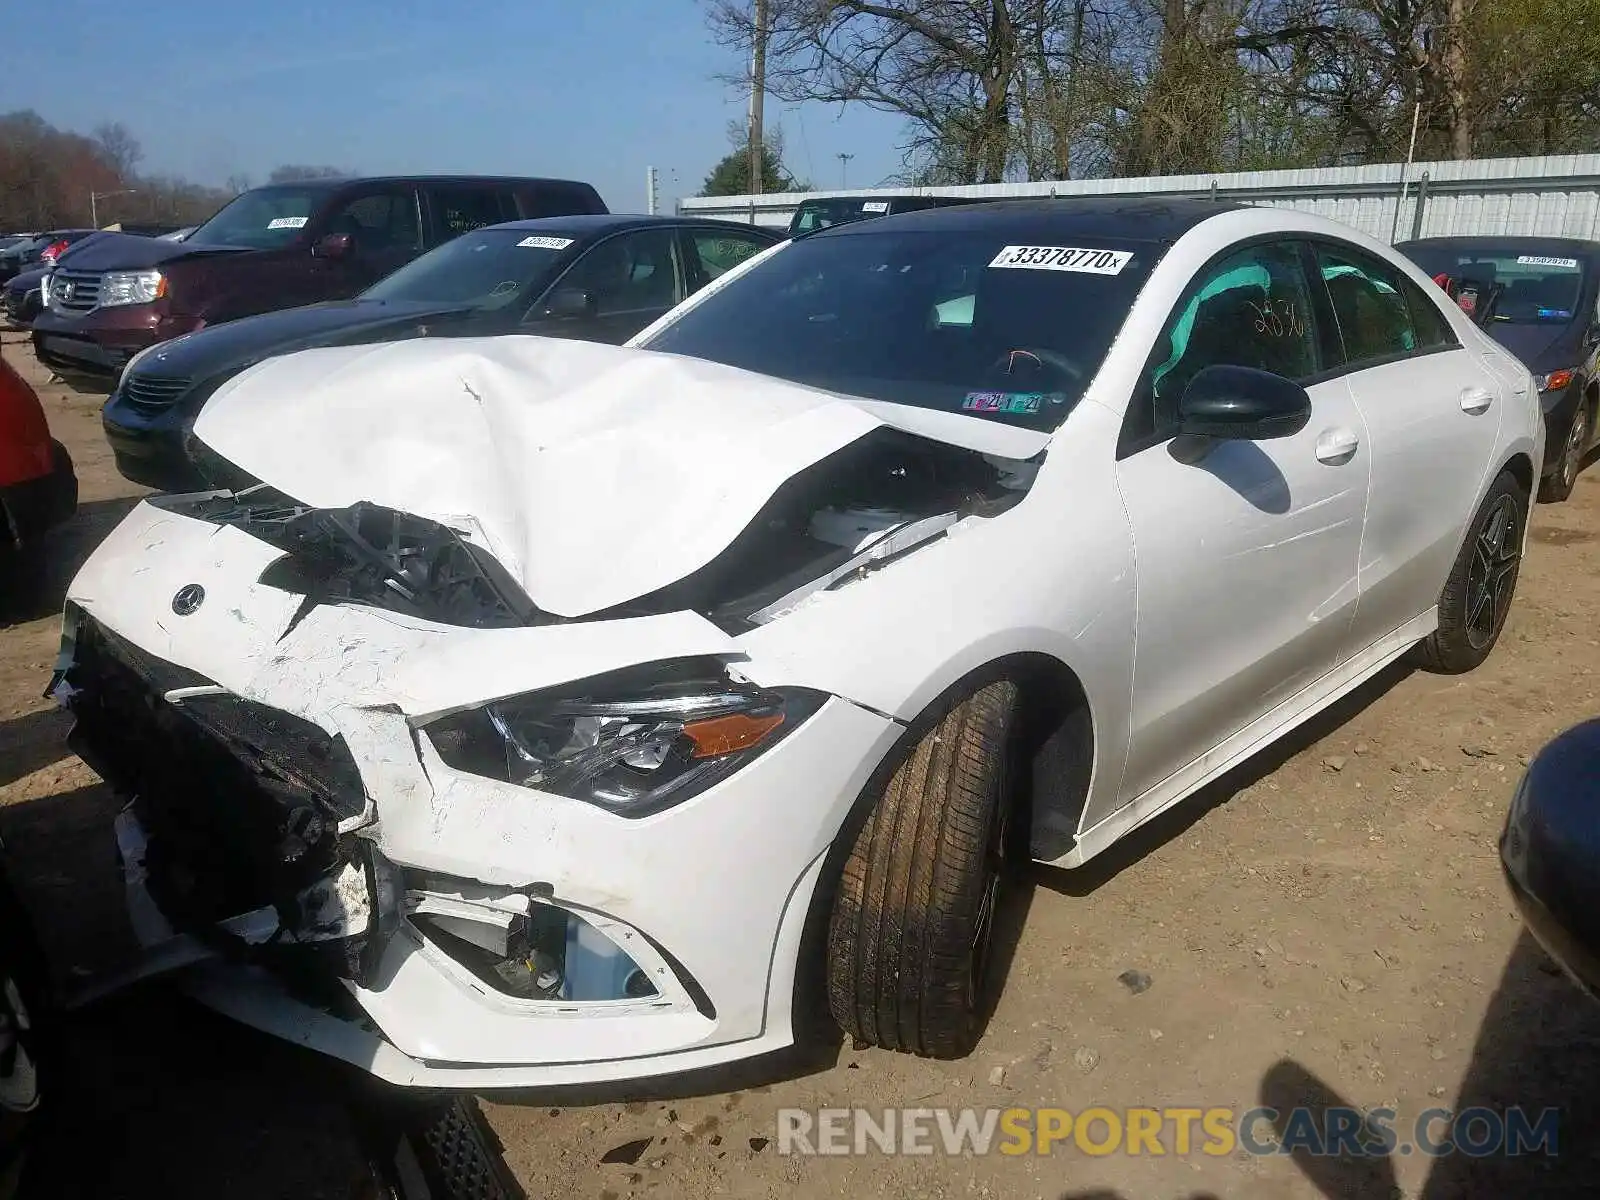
(1540, 299)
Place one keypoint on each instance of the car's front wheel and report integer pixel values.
(1477, 595)
(913, 919)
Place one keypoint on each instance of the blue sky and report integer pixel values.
(585, 89)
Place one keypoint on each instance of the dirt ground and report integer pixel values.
(1327, 927)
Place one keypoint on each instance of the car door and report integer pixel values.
(709, 251)
(624, 283)
(1432, 412)
(384, 229)
(1245, 551)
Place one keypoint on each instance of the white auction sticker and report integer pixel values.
(1539, 260)
(287, 223)
(546, 243)
(875, 206)
(1063, 258)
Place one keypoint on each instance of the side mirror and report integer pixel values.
(333, 246)
(571, 304)
(1242, 404)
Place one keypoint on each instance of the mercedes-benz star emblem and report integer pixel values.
(190, 597)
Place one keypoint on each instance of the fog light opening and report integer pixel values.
(549, 954)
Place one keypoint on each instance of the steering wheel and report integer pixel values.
(1036, 368)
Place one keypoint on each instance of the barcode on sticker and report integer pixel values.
(875, 206)
(287, 223)
(546, 243)
(1063, 258)
(1539, 260)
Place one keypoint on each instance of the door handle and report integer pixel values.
(1336, 446)
(1476, 400)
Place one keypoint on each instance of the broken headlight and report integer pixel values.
(633, 742)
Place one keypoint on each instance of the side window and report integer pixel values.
(1374, 319)
(555, 200)
(630, 273)
(1250, 309)
(1433, 331)
(379, 219)
(458, 209)
(720, 251)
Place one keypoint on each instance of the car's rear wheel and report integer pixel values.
(1558, 485)
(1477, 595)
(912, 921)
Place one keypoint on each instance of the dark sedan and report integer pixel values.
(597, 278)
(1540, 299)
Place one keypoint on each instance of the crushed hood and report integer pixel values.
(593, 474)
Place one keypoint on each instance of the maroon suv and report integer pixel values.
(273, 247)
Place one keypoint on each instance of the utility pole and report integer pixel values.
(651, 194)
(758, 91)
(844, 167)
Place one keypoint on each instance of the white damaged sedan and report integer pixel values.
(532, 712)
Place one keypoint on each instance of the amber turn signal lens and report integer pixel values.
(1558, 380)
(716, 736)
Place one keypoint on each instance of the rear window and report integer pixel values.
(964, 323)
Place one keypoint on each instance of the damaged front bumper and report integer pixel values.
(323, 875)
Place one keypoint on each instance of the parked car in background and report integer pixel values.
(24, 295)
(38, 488)
(822, 212)
(615, 699)
(599, 278)
(274, 247)
(1540, 298)
(41, 250)
(1550, 850)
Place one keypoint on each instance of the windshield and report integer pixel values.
(960, 322)
(485, 269)
(264, 219)
(1533, 287)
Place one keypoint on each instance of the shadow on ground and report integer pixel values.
(47, 568)
(1537, 1049)
(1178, 820)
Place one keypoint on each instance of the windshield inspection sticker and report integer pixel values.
(1019, 403)
(287, 223)
(1063, 258)
(1539, 260)
(875, 206)
(546, 243)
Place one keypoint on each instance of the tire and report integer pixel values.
(27, 1058)
(911, 923)
(1558, 485)
(1470, 619)
(431, 1149)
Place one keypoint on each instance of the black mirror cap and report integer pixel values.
(1242, 403)
(1550, 851)
(570, 304)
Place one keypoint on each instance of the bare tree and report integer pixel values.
(119, 148)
